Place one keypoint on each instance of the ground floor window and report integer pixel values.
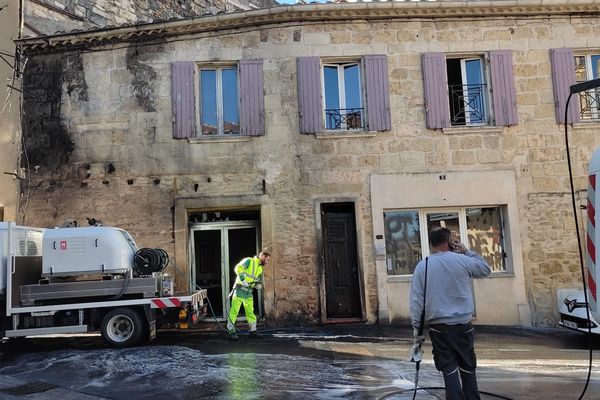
(482, 229)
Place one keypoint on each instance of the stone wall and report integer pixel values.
(125, 120)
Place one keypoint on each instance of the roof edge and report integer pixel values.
(389, 10)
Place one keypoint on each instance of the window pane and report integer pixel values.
(595, 66)
(445, 220)
(486, 235)
(208, 96)
(402, 241)
(352, 86)
(580, 70)
(473, 69)
(353, 98)
(474, 96)
(332, 97)
(230, 102)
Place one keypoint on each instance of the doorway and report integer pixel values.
(216, 247)
(340, 257)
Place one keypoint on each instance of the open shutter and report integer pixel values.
(310, 106)
(378, 93)
(252, 118)
(563, 76)
(435, 81)
(183, 99)
(504, 97)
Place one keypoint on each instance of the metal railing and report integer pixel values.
(344, 118)
(589, 104)
(468, 104)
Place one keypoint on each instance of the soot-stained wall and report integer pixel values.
(47, 144)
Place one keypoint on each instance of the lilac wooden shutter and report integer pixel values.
(309, 94)
(435, 81)
(252, 118)
(504, 97)
(183, 99)
(563, 76)
(378, 93)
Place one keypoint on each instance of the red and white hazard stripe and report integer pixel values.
(593, 204)
(165, 302)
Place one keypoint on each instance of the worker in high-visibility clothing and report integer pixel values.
(249, 273)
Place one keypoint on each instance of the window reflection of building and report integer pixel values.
(403, 241)
(406, 230)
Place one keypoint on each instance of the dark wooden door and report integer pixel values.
(340, 261)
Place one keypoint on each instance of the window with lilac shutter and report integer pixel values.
(343, 95)
(473, 90)
(568, 68)
(217, 99)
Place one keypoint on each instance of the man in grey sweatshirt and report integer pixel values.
(449, 307)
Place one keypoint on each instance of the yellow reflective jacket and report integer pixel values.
(248, 270)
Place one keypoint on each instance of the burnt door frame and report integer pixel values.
(321, 260)
(226, 283)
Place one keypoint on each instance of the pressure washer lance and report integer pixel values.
(416, 355)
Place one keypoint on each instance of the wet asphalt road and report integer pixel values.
(337, 362)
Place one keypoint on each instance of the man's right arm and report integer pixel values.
(416, 297)
(477, 265)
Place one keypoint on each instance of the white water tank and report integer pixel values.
(86, 251)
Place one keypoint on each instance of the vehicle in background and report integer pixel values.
(82, 279)
(572, 311)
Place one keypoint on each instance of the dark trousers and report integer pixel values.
(454, 356)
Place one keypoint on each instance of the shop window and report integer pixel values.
(482, 229)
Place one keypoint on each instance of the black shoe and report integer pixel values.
(255, 335)
(233, 337)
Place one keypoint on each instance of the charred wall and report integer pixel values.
(47, 143)
(142, 76)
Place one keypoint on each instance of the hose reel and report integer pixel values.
(149, 260)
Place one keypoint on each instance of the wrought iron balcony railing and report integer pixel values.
(589, 104)
(468, 104)
(344, 118)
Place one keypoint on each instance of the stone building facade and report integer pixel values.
(9, 113)
(336, 135)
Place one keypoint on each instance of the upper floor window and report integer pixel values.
(211, 100)
(219, 101)
(482, 229)
(343, 95)
(469, 91)
(587, 67)
(568, 68)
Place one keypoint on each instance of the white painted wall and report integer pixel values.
(499, 299)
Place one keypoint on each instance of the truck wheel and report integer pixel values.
(122, 327)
